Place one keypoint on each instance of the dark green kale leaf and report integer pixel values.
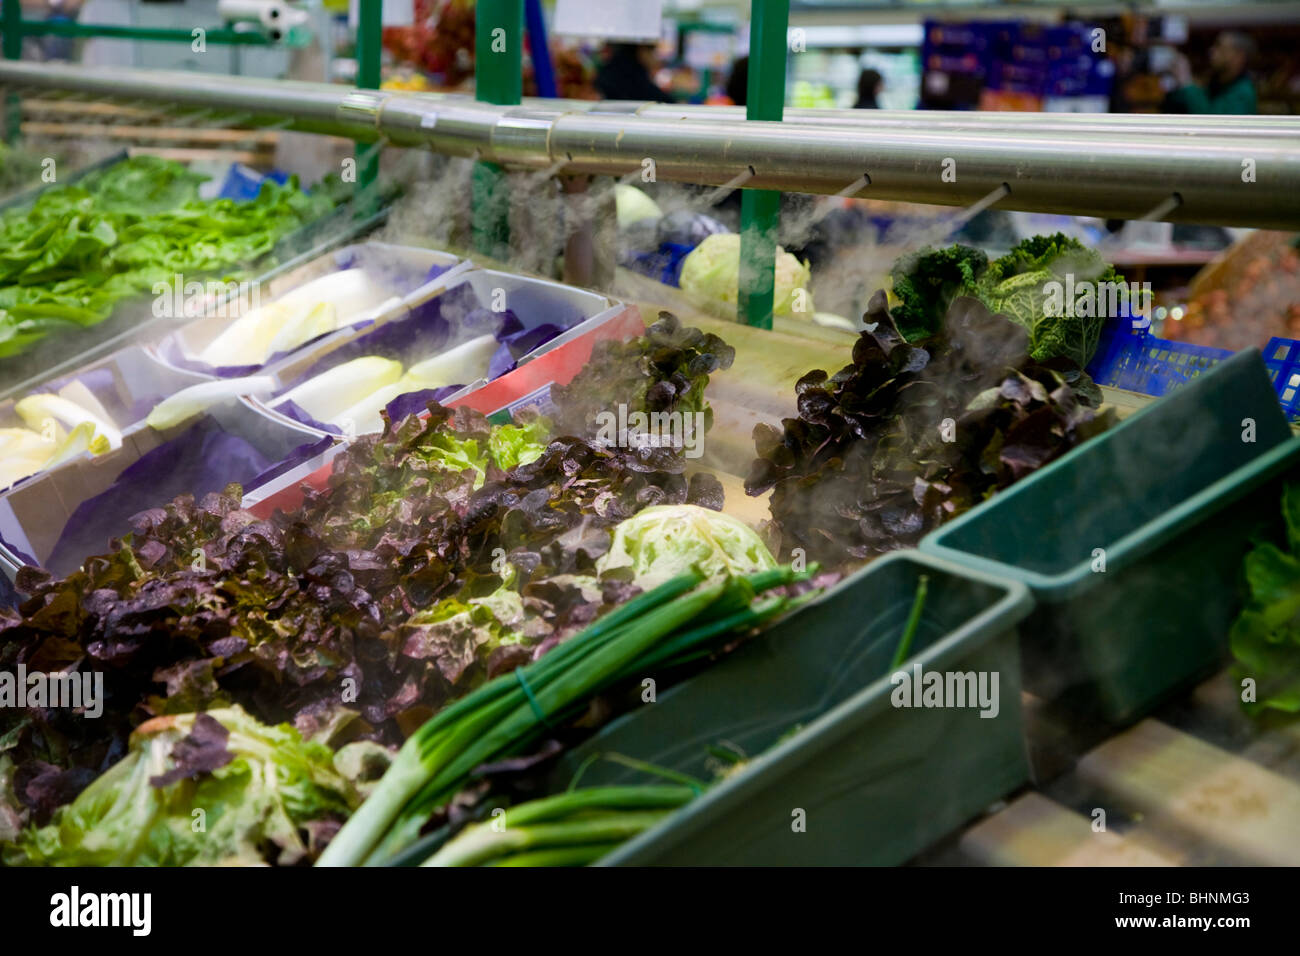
(926, 282)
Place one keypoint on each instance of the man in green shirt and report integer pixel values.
(1230, 89)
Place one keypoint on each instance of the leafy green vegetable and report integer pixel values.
(513, 444)
(143, 184)
(423, 570)
(459, 634)
(710, 276)
(925, 283)
(262, 795)
(1265, 638)
(277, 614)
(79, 249)
(662, 542)
(1016, 286)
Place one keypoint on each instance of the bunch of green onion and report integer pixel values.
(570, 829)
(681, 620)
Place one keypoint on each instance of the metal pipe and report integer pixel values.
(938, 120)
(1112, 171)
(1124, 176)
(314, 106)
(246, 93)
(970, 121)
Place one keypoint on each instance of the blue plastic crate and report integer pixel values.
(664, 264)
(1135, 360)
(1282, 357)
(1162, 365)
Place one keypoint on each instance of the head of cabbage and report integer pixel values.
(711, 277)
(632, 205)
(663, 541)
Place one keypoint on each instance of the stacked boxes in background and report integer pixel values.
(1009, 65)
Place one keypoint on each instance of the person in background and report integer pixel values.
(870, 83)
(738, 82)
(626, 74)
(1230, 89)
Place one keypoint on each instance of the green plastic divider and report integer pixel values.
(1132, 543)
(875, 783)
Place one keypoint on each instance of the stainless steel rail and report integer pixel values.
(1235, 171)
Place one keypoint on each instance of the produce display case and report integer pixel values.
(527, 385)
(127, 384)
(1094, 661)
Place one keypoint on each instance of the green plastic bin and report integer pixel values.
(876, 783)
(1166, 504)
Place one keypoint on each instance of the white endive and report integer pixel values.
(457, 366)
(77, 392)
(196, 399)
(320, 306)
(363, 417)
(24, 453)
(37, 410)
(332, 392)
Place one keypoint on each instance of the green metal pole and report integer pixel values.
(498, 79)
(11, 21)
(370, 28)
(215, 35)
(760, 209)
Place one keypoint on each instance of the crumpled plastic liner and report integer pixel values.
(202, 459)
(413, 403)
(515, 345)
(298, 414)
(171, 351)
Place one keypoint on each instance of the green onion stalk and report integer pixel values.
(512, 711)
(569, 829)
(904, 647)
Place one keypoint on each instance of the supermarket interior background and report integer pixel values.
(695, 431)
